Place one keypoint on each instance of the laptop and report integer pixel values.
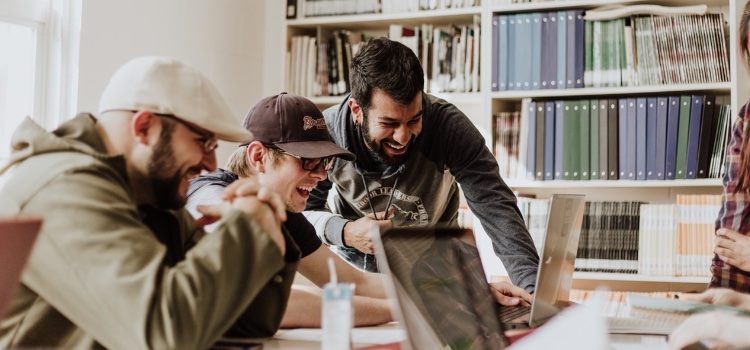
(554, 277)
(17, 237)
(438, 286)
(429, 266)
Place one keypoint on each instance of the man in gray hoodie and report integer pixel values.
(413, 150)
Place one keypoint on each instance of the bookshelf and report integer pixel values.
(481, 106)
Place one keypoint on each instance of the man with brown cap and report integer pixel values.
(290, 152)
(119, 263)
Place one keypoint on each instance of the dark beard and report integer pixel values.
(377, 148)
(165, 187)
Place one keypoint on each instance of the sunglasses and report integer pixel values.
(309, 164)
(208, 141)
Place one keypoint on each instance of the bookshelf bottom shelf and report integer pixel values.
(668, 284)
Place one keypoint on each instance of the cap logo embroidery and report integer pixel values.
(310, 123)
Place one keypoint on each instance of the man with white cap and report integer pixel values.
(119, 262)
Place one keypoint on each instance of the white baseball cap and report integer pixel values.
(169, 86)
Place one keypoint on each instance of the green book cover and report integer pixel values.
(571, 136)
(584, 158)
(682, 137)
(594, 140)
(588, 54)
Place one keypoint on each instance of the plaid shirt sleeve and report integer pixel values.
(734, 213)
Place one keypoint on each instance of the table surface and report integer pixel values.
(281, 339)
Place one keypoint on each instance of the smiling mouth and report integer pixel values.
(305, 190)
(395, 146)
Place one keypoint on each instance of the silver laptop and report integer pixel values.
(17, 237)
(439, 288)
(555, 274)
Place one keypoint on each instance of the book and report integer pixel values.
(622, 138)
(682, 137)
(694, 133)
(558, 149)
(651, 150)
(660, 137)
(503, 45)
(549, 140)
(613, 152)
(640, 138)
(549, 50)
(706, 138)
(603, 140)
(594, 143)
(632, 140)
(540, 141)
(571, 137)
(673, 122)
(562, 44)
(531, 141)
(496, 65)
(584, 157)
(579, 28)
(535, 81)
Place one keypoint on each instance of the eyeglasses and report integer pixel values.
(309, 164)
(208, 141)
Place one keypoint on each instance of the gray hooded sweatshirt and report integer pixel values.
(423, 191)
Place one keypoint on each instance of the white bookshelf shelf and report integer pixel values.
(719, 88)
(638, 278)
(517, 184)
(379, 20)
(502, 6)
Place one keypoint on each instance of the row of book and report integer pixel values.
(630, 138)
(561, 50)
(317, 8)
(636, 237)
(449, 58)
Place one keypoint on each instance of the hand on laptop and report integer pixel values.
(509, 295)
(357, 233)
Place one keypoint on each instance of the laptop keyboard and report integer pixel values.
(508, 313)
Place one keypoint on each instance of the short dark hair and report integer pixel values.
(388, 66)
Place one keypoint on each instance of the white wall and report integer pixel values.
(222, 38)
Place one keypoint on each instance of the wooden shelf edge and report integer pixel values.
(723, 87)
(522, 184)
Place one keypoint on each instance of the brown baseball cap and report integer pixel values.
(293, 124)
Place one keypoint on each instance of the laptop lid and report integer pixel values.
(17, 237)
(439, 286)
(555, 275)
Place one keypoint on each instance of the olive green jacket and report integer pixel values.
(99, 276)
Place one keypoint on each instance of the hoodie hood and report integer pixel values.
(76, 135)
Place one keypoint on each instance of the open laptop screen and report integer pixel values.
(437, 271)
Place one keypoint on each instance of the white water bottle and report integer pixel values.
(337, 313)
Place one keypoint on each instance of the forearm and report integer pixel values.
(305, 305)
(329, 227)
(370, 285)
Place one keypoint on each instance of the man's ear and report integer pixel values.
(143, 125)
(356, 111)
(256, 156)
